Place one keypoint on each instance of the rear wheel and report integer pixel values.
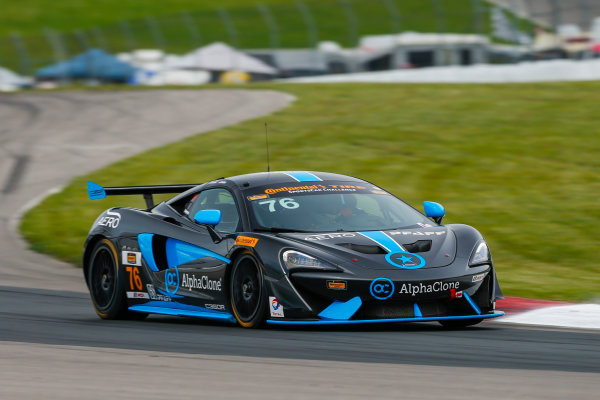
(104, 283)
(246, 291)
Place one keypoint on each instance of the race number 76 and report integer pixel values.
(286, 202)
(134, 278)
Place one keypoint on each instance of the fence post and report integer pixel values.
(59, 53)
(556, 20)
(311, 26)
(477, 8)
(99, 38)
(157, 35)
(128, 35)
(82, 39)
(230, 27)
(274, 42)
(195, 35)
(352, 23)
(439, 16)
(584, 14)
(24, 60)
(92, 68)
(394, 15)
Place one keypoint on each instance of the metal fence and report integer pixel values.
(298, 24)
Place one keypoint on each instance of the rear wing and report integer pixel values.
(96, 191)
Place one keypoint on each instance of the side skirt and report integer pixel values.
(181, 310)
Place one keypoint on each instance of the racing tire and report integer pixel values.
(460, 323)
(247, 292)
(105, 284)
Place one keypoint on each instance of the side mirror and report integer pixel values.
(208, 217)
(434, 210)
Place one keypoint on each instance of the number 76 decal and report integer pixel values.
(134, 278)
(288, 203)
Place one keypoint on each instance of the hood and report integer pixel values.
(430, 247)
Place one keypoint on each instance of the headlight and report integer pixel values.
(481, 255)
(294, 259)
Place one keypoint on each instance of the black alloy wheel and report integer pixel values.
(247, 292)
(105, 286)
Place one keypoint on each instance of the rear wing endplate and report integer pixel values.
(96, 191)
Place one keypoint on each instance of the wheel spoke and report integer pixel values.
(103, 278)
(246, 289)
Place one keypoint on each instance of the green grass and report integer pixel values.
(99, 24)
(519, 162)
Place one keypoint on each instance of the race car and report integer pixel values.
(286, 248)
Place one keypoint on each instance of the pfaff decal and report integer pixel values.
(417, 233)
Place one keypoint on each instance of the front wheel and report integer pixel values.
(246, 291)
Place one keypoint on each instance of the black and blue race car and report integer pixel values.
(286, 248)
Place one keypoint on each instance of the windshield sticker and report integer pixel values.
(258, 197)
(315, 188)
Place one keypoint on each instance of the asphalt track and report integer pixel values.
(53, 346)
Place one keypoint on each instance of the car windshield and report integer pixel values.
(329, 207)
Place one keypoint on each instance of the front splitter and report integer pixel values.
(382, 321)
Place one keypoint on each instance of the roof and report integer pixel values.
(287, 177)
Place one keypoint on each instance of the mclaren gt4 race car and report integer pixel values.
(295, 248)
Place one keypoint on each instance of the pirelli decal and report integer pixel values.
(246, 241)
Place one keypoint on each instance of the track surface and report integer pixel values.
(53, 346)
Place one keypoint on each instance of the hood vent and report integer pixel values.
(363, 248)
(420, 246)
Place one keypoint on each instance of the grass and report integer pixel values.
(99, 24)
(519, 162)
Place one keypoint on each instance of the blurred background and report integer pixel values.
(518, 161)
(190, 42)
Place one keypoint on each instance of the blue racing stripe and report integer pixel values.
(382, 239)
(303, 176)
